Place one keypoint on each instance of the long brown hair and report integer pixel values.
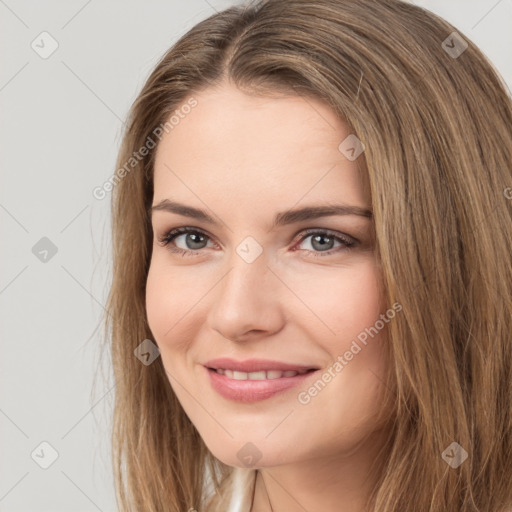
(435, 120)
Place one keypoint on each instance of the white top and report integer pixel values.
(243, 488)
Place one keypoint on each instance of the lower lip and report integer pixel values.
(249, 391)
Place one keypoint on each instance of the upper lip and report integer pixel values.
(255, 365)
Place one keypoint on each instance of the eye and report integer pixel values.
(193, 239)
(322, 241)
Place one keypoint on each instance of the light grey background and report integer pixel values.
(60, 123)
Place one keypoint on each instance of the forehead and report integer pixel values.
(242, 147)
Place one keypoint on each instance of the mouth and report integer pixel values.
(256, 379)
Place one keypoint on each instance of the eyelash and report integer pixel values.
(167, 238)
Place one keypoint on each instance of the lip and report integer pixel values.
(250, 391)
(255, 365)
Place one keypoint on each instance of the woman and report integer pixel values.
(311, 300)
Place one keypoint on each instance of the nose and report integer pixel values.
(247, 301)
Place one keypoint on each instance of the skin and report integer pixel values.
(244, 158)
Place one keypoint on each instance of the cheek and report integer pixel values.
(167, 301)
(343, 301)
(157, 303)
(167, 305)
(169, 298)
(175, 310)
(347, 308)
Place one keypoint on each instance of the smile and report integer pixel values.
(257, 385)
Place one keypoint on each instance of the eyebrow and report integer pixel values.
(281, 219)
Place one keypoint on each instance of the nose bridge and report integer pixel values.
(244, 300)
(247, 264)
(245, 282)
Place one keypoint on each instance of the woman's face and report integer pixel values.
(258, 282)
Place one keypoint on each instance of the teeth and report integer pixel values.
(256, 376)
(261, 375)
